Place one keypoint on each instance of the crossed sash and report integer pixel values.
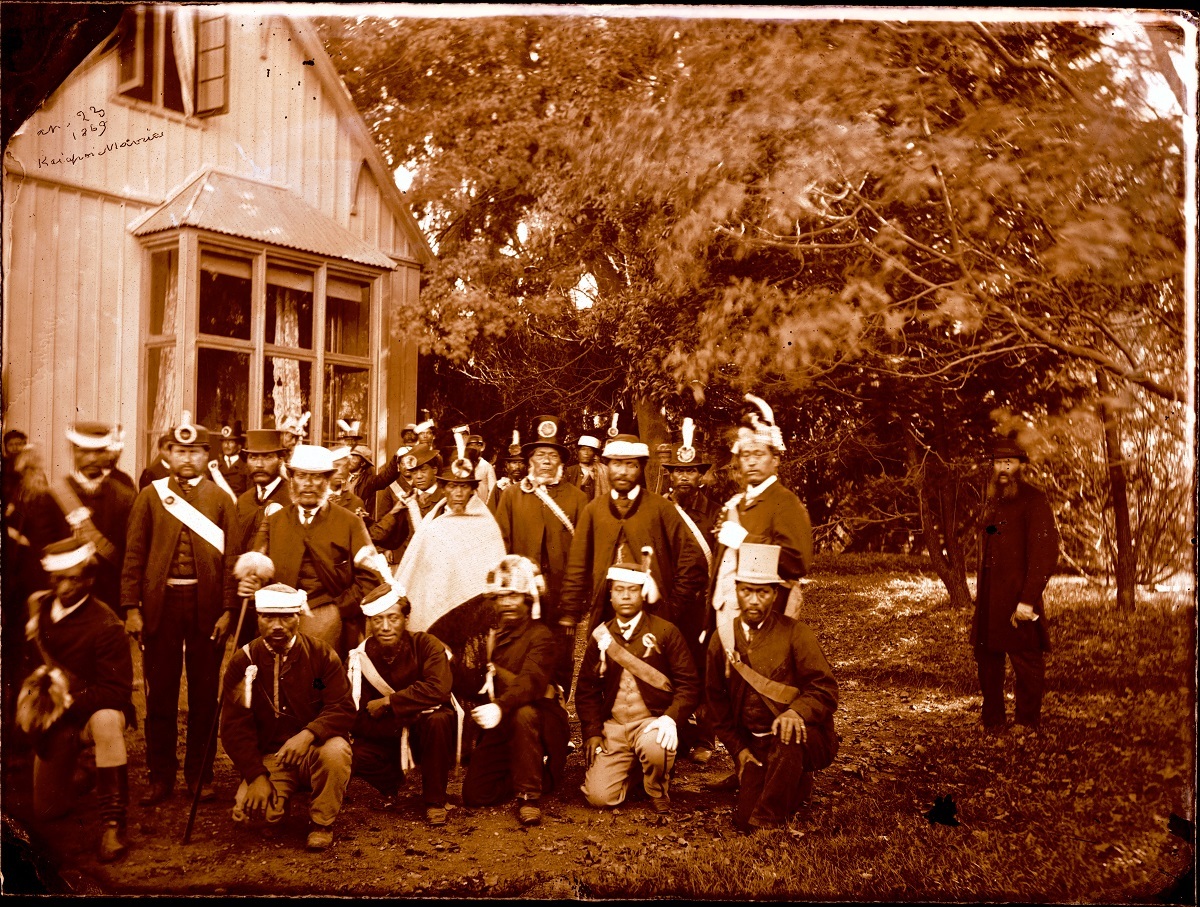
(773, 692)
(190, 516)
(647, 673)
(544, 496)
(214, 469)
(79, 516)
(695, 530)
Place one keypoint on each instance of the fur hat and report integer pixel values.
(519, 574)
(760, 430)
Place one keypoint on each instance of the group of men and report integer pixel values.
(435, 620)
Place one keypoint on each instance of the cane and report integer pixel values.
(210, 746)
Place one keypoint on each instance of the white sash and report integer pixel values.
(214, 469)
(551, 505)
(190, 516)
(700, 539)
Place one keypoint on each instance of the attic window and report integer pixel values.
(176, 59)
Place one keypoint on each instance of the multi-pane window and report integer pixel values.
(273, 339)
(176, 58)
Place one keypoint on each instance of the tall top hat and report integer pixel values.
(263, 441)
(548, 433)
(233, 432)
(686, 456)
(758, 564)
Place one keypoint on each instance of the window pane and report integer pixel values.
(172, 90)
(289, 308)
(347, 396)
(162, 408)
(224, 296)
(164, 292)
(222, 387)
(348, 317)
(287, 384)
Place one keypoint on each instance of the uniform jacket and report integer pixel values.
(784, 650)
(596, 488)
(335, 537)
(152, 473)
(530, 529)
(110, 505)
(1018, 552)
(314, 694)
(395, 529)
(90, 645)
(524, 657)
(250, 511)
(236, 475)
(150, 549)
(776, 517)
(705, 513)
(368, 482)
(595, 695)
(421, 677)
(678, 566)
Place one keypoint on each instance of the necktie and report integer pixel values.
(623, 506)
(261, 494)
(306, 517)
(625, 629)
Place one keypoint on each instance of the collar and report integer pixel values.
(633, 493)
(190, 483)
(58, 612)
(311, 512)
(627, 629)
(753, 492)
(231, 461)
(428, 491)
(267, 490)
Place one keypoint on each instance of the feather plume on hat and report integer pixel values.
(761, 430)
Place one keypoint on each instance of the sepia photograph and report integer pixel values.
(598, 452)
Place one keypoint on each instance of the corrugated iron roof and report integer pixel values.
(242, 207)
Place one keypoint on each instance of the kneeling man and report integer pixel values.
(523, 749)
(637, 684)
(401, 683)
(772, 696)
(286, 717)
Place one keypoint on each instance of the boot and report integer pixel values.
(112, 786)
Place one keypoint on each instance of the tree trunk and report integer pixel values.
(653, 429)
(1119, 496)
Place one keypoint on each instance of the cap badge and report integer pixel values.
(461, 469)
(546, 429)
(686, 454)
(226, 431)
(409, 462)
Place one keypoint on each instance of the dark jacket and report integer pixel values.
(678, 566)
(334, 538)
(524, 657)
(784, 650)
(530, 529)
(250, 511)
(90, 645)
(315, 694)
(595, 695)
(368, 482)
(395, 530)
(421, 677)
(236, 476)
(150, 548)
(152, 473)
(1018, 553)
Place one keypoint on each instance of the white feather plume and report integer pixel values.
(768, 415)
(689, 431)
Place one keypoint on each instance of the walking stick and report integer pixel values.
(211, 747)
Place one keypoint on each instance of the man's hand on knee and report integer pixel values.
(593, 748)
(789, 728)
(260, 793)
(293, 752)
(744, 758)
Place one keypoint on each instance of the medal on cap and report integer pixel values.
(546, 429)
(409, 462)
(612, 429)
(461, 469)
(226, 431)
(185, 433)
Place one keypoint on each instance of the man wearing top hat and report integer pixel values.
(771, 695)
(87, 504)
(588, 475)
(229, 464)
(400, 681)
(179, 596)
(537, 518)
(82, 652)
(1018, 551)
(618, 527)
(764, 513)
(515, 469)
(395, 529)
(286, 715)
(320, 548)
(268, 490)
(637, 686)
(523, 748)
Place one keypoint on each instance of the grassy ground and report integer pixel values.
(1078, 811)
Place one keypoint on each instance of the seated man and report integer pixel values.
(636, 686)
(81, 693)
(772, 698)
(401, 682)
(524, 744)
(285, 717)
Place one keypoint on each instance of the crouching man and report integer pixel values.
(772, 697)
(81, 693)
(636, 686)
(523, 749)
(285, 718)
(401, 683)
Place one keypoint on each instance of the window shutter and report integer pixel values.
(212, 64)
(132, 51)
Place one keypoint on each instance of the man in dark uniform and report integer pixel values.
(771, 696)
(523, 749)
(178, 593)
(515, 469)
(396, 528)
(83, 651)
(401, 684)
(319, 548)
(537, 518)
(230, 463)
(286, 714)
(1018, 552)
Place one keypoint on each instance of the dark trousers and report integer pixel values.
(431, 736)
(523, 755)
(179, 640)
(1029, 673)
(769, 795)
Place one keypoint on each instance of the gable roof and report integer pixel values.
(251, 209)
